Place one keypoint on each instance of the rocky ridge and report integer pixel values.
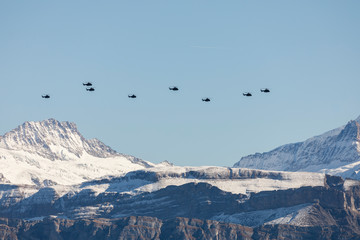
(157, 229)
(336, 152)
(52, 139)
(178, 213)
(57, 187)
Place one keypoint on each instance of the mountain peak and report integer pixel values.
(335, 152)
(54, 140)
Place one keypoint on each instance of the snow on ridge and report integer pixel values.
(41, 137)
(133, 183)
(21, 167)
(295, 215)
(234, 180)
(323, 153)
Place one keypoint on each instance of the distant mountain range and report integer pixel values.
(336, 152)
(55, 184)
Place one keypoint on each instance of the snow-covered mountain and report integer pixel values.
(52, 177)
(336, 152)
(53, 140)
(53, 152)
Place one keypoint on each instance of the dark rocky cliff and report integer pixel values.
(185, 212)
(154, 228)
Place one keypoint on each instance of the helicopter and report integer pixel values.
(132, 96)
(45, 96)
(206, 99)
(173, 88)
(90, 89)
(247, 94)
(265, 90)
(88, 84)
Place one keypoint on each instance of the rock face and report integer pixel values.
(335, 152)
(124, 228)
(189, 211)
(345, 227)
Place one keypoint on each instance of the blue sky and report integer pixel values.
(307, 52)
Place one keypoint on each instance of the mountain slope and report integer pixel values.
(52, 152)
(334, 152)
(53, 140)
(55, 181)
(327, 203)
